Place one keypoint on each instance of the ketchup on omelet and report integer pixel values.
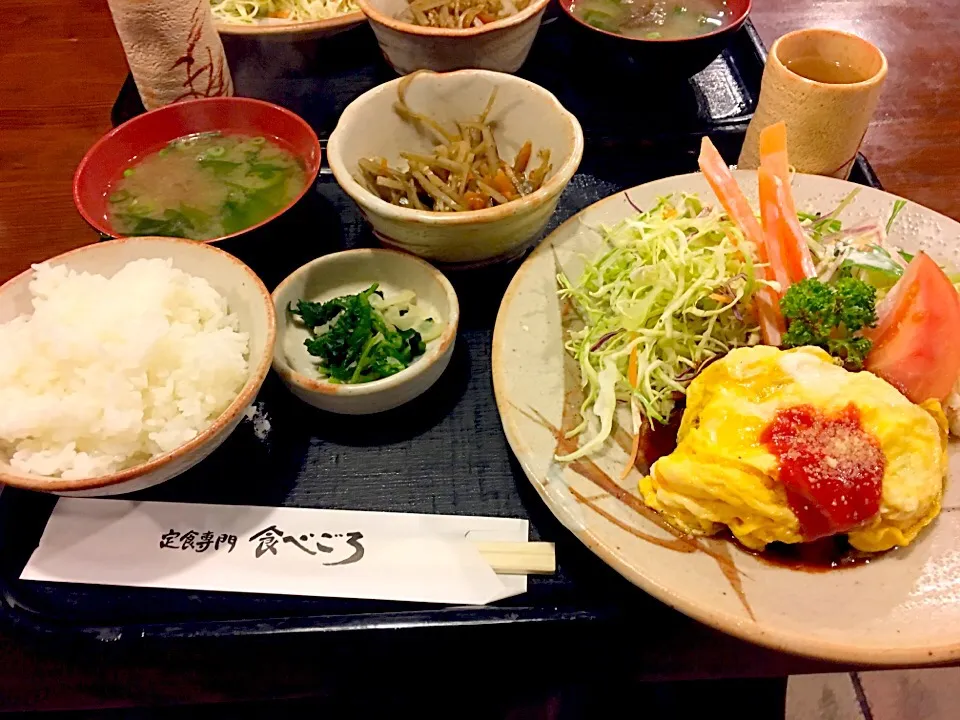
(830, 467)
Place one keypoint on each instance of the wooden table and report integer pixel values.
(62, 72)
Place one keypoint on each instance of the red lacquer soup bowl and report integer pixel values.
(105, 162)
(665, 57)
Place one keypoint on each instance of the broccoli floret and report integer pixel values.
(830, 317)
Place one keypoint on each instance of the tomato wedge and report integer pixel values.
(916, 343)
(725, 187)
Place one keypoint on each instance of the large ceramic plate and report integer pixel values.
(902, 608)
(294, 31)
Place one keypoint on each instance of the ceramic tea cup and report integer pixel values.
(825, 85)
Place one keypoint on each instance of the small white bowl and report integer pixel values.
(246, 296)
(502, 45)
(522, 111)
(347, 273)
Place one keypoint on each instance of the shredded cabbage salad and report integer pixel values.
(251, 11)
(669, 289)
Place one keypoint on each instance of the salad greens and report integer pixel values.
(897, 207)
(671, 290)
(252, 11)
(667, 294)
(862, 251)
(364, 337)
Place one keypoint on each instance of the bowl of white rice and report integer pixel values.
(127, 362)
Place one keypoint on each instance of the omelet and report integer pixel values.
(727, 472)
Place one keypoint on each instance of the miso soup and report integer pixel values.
(205, 186)
(654, 19)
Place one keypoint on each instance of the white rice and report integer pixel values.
(109, 372)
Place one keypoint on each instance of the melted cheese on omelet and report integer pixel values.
(721, 474)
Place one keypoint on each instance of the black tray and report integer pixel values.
(444, 453)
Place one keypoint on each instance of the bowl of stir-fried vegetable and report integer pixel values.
(463, 168)
(445, 35)
(364, 331)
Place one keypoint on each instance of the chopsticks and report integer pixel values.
(519, 558)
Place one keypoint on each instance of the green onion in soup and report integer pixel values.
(205, 186)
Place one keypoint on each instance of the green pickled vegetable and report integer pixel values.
(363, 337)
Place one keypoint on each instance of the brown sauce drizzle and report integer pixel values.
(661, 440)
(824, 555)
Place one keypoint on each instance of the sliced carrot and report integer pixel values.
(523, 158)
(725, 187)
(632, 377)
(634, 452)
(475, 200)
(502, 184)
(279, 14)
(486, 17)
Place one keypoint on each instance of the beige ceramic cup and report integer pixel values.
(826, 117)
(173, 50)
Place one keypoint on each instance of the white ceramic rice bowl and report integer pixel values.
(246, 296)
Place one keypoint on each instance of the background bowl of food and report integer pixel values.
(673, 38)
(207, 169)
(461, 168)
(411, 314)
(443, 35)
(126, 363)
(285, 20)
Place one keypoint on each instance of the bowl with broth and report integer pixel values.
(204, 170)
(675, 38)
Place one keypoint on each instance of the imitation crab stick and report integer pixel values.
(773, 156)
(725, 187)
(770, 216)
(786, 242)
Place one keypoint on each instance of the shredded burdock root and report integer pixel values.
(464, 171)
(460, 14)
